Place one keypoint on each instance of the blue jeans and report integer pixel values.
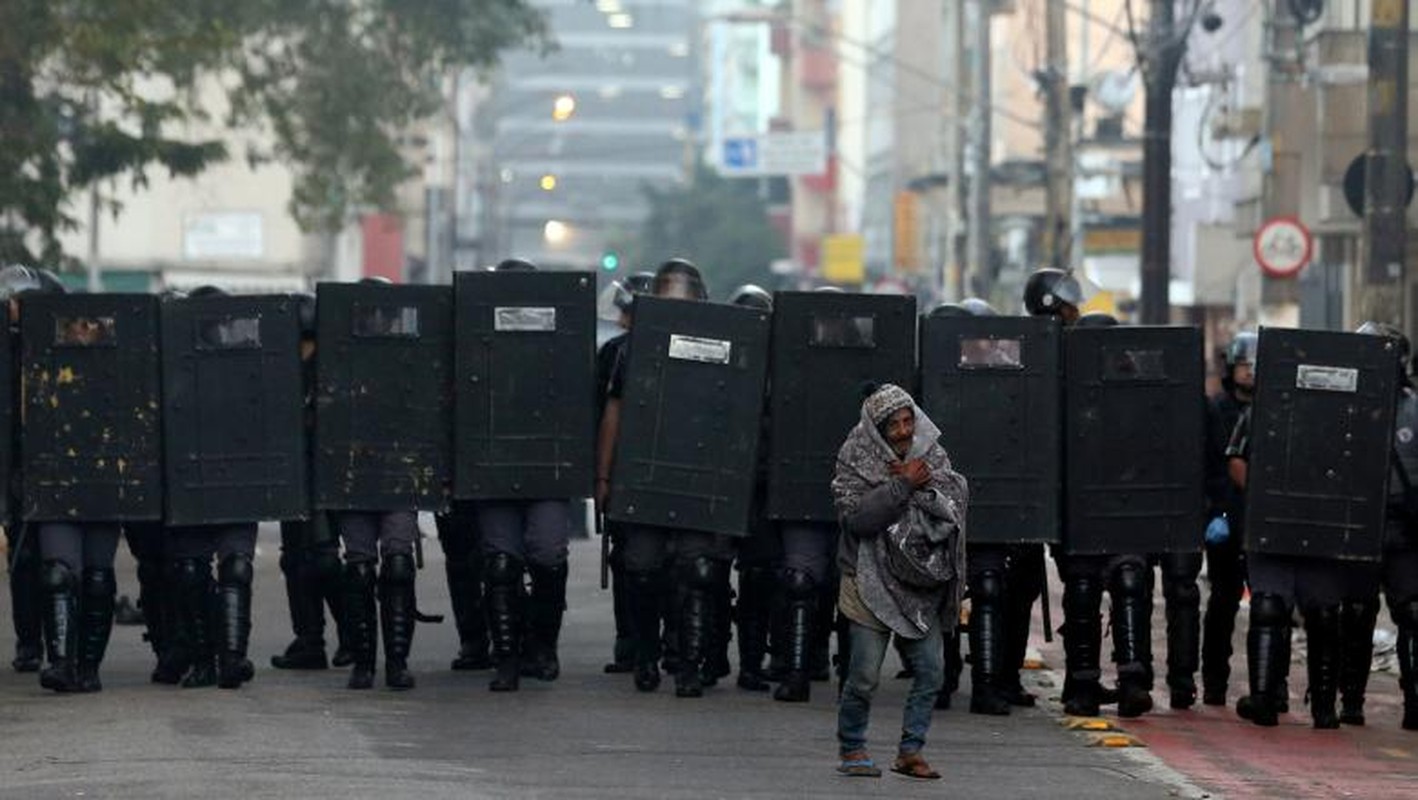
(868, 648)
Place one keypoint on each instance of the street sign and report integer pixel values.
(1355, 176)
(1283, 247)
(797, 153)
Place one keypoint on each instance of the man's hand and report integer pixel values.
(603, 493)
(915, 471)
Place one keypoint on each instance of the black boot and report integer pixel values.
(504, 615)
(1219, 626)
(465, 594)
(1322, 633)
(623, 651)
(548, 605)
(61, 628)
(26, 600)
(1183, 639)
(1356, 655)
(96, 615)
(155, 601)
(1132, 639)
(307, 614)
(328, 571)
(234, 621)
(752, 615)
(824, 619)
(1406, 615)
(361, 629)
(643, 595)
(696, 625)
(397, 617)
(987, 645)
(1018, 619)
(194, 623)
(801, 607)
(1083, 634)
(1267, 648)
(671, 610)
(716, 656)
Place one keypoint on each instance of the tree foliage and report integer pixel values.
(102, 89)
(721, 224)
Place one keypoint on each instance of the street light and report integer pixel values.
(548, 183)
(563, 107)
(556, 232)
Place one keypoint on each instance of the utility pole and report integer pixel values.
(1386, 173)
(1284, 123)
(979, 243)
(958, 140)
(1058, 144)
(1163, 57)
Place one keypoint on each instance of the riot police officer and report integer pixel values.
(1126, 576)
(1225, 562)
(310, 550)
(463, 566)
(698, 559)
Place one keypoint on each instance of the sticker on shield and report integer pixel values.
(705, 351)
(1327, 379)
(513, 319)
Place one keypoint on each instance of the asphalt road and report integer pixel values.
(587, 735)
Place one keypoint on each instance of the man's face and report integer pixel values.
(1068, 313)
(1244, 376)
(900, 429)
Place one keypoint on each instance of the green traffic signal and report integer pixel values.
(610, 262)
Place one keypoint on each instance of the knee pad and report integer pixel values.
(503, 569)
(799, 584)
(988, 587)
(99, 583)
(1269, 609)
(235, 570)
(58, 577)
(398, 570)
(1130, 580)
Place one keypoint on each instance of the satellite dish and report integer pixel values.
(1114, 90)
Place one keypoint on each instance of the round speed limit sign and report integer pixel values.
(1283, 247)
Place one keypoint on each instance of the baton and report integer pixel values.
(418, 550)
(605, 551)
(1044, 600)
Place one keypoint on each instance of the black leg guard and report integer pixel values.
(61, 628)
(234, 621)
(155, 602)
(753, 614)
(800, 609)
(1267, 650)
(987, 645)
(27, 600)
(1132, 638)
(643, 592)
(696, 625)
(1322, 662)
(194, 618)
(465, 594)
(1083, 634)
(96, 612)
(1406, 616)
(1356, 655)
(716, 659)
(819, 658)
(307, 612)
(328, 573)
(397, 618)
(671, 610)
(504, 613)
(1219, 626)
(623, 654)
(548, 606)
(360, 625)
(1023, 587)
(1183, 599)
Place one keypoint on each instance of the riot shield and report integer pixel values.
(1321, 438)
(384, 407)
(1133, 425)
(991, 384)
(7, 420)
(525, 404)
(825, 348)
(233, 416)
(91, 430)
(690, 413)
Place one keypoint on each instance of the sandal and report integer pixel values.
(858, 765)
(914, 766)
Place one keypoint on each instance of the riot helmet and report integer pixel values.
(678, 278)
(978, 307)
(1096, 319)
(1053, 292)
(831, 289)
(752, 296)
(1239, 375)
(207, 290)
(17, 280)
(1400, 340)
(305, 313)
(514, 265)
(942, 310)
(618, 298)
(378, 280)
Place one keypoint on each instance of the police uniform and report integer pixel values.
(1225, 560)
(1400, 555)
(379, 549)
(463, 563)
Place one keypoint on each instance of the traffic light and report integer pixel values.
(610, 261)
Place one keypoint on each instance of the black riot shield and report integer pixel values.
(233, 424)
(1321, 438)
(690, 413)
(384, 407)
(526, 400)
(91, 432)
(826, 346)
(1133, 424)
(7, 420)
(991, 384)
